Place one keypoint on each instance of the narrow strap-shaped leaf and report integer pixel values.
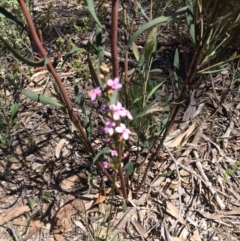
(41, 98)
(8, 15)
(23, 59)
(105, 150)
(152, 23)
(90, 5)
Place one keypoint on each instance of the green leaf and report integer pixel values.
(192, 32)
(47, 197)
(135, 51)
(41, 98)
(100, 49)
(145, 27)
(79, 97)
(154, 90)
(153, 107)
(129, 168)
(96, 82)
(176, 59)
(20, 57)
(69, 54)
(88, 126)
(30, 203)
(14, 110)
(105, 150)
(113, 99)
(150, 45)
(115, 238)
(5, 14)
(152, 23)
(124, 206)
(156, 71)
(91, 9)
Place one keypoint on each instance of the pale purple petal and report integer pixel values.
(109, 127)
(106, 165)
(114, 153)
(129, 115)
(120, 128)
(94, 93)
(114, 84)
(123, 130)
(125, 134)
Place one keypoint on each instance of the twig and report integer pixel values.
(10, 226)
(179, 184)
(214, 192)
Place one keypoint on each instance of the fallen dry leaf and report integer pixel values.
(31, 232)
(100, 199)
(59, 147)
(63, 222)
(182, 139)
(173, 210)
(195, 236)
(35, 223)
(69, 182)
(177, 239)
(80, 225)
(13, 213)
(59, 237)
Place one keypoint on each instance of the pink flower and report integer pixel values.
(128, 114)
(114, 84)
(118, 111)
(123, 130)
(106, 165)
(94, 93)
(103, 107)
(114, 153)
(109, 127)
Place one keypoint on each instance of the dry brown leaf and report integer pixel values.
(140, 229)
(59, 147)
(195, 236)
(173, 210)
(177, 239)
(63, 222)
(100, 199)
(182, 139)
(89, 205)
(69, 182)
(215, 217)
(59, 237)
(80, 225)
(13, 213)
(31, 232)
(35, 223)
